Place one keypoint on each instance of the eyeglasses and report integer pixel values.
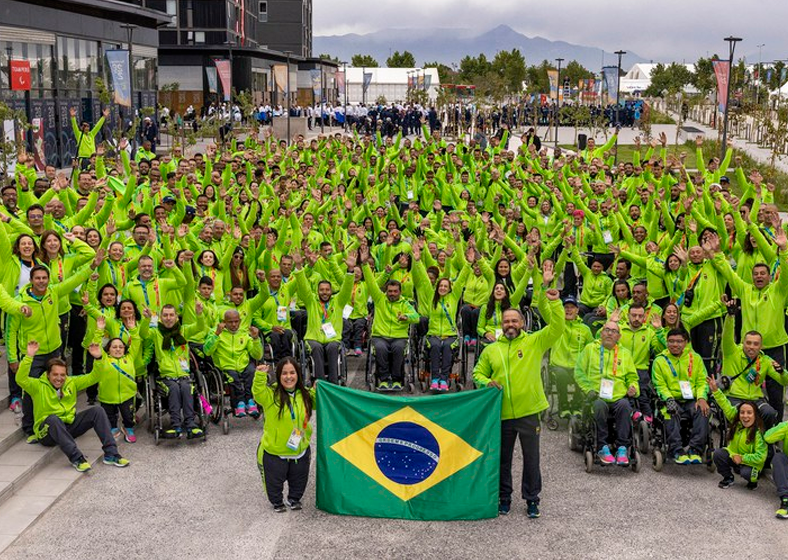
(611, 331)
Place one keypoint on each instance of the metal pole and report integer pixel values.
(760, 77)
(322, 98)
(618, 100)
(363, 89)
(230, 46)
(557, 99)
(288, 53)
(130, 27)
(344, 70)
(731, 47)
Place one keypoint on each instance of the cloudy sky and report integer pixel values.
(664, 30)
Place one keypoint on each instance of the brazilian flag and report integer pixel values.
(427, 458)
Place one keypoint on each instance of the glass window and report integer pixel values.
(263, 16)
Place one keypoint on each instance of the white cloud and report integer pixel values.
(665, 30)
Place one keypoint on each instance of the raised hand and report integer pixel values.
(32, 348)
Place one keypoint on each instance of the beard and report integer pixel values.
(512, 333)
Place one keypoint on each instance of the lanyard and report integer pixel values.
(120, 371)
(326, 312)
(290, 402)
(353, 296)
(446, 312)
(60, 270)
(276, 298)
(673, 369)
(115, 276)
(602, 360)
(155, 289)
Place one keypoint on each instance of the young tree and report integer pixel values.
(445, 74)
(363, 60)
(510, 66)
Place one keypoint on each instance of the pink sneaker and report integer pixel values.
(605, 456)
(649, 419)
(252, 410)
(16, 405)
(240, 410)
(434, 385)
(637, 416)
(621, 457)
(129, 435)
(443, 386)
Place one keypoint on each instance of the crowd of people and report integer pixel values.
(659, 290)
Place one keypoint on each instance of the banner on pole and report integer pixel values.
(118, 61)
(426, 458)
(367, 80)
(280, 77)
(340, 79)
(721, 71)
(317, 85)
(224, 69)
(552, 76)
(210, 74)
(610, 77)
(20, 75)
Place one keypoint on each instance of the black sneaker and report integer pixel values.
(533, 510)
(504, 508)
(752, 485)
(295, 505)
(280, 508)
(91, 401)
(726, 482)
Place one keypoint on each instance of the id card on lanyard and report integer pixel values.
(684, 385)
(606, 384)
(154, 320)
(326, 326)
(294, 441)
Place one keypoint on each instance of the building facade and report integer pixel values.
(288, 26)
(64, 44)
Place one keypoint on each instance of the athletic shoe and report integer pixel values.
(533, 510)
(173, 433)
(473, 343)
(782, 513)
(295, 505)
(621, 457)
(726, 482)
(434, 385)
(682, 459)
(130, 437)
(564, 414)
(605, 456)
(637, 416)
(16, 405)
(396, 386)
(115, 433)
(32, 439)
(240, 410)
(649, 419)
(504, 508)
(752, 485)
(116, 461)
(695, 459)
(252, 410)
(359, 351)
(280, 508)
(91, 401)
(444, 386)
(193, 433)
(466, 339)
(384, 386)
(81, 465)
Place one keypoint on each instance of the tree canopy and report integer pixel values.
(363, 60)
(403, 60)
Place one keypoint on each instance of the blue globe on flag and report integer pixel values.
(406, 453)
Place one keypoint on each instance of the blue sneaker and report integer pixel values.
(621, 457)
(533, 510)
(240, 410)
(605, 456)
(504, 508)
(252, 410)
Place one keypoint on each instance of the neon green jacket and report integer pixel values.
(232, 350)
(278, 428)
(573, 339)
(687, 367)
(386, 322)
(319, 313)
(749, 380)
(516, 366)
(588, 373)
(46, 401)
(753, 454)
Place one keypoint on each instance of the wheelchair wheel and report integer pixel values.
(644, 437)
(589, 460)
(575, 440)
(225, 424)
(658, 460)
(150, 405)
(708, 458)
(635, 462)
(156, 436)
(552, 423)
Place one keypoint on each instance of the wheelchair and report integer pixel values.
(659, 440)
(157, 405)
(552, 414)
(409, 363)
(304, 357)
(583, 438)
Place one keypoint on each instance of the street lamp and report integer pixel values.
(731, 47)
(130, 27)
(344, 75)
(557, 98)
(287, 92)
(618, 101)
(230, 45)
(760, 77)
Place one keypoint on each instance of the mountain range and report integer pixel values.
(451, 45)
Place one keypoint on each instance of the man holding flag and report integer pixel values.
(513, 364)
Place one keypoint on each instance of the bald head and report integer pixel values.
(232, 320)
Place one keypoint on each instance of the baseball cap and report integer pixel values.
(724, 179)
(570, 300)
(168, 199)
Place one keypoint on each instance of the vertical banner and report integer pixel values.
(340, 79)
(118, 62)
(721, 71)
(280, 77)
(20, 75)
(317, 85)
(39, 149)
(552, 75)
(769, 74)
(782, 76)
(427, 81)
(224, 70)
(210, 74)
(610, 77)
(367, 81)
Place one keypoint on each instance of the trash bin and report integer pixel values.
(582, 139)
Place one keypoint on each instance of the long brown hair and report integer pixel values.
(757, 426)
(282, 397)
